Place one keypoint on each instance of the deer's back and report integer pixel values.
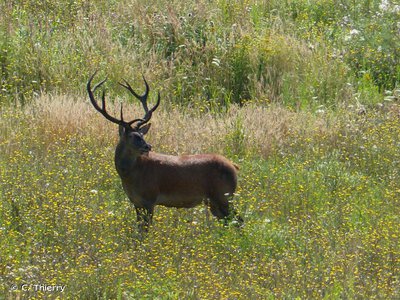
(205, 171)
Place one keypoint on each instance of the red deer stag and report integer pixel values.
(150, 178)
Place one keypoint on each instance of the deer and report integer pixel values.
(149, 178)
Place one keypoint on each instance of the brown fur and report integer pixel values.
(175, 181)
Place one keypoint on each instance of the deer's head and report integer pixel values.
(131, 133)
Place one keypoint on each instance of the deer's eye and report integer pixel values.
(136, 139)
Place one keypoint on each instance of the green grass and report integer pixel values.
(321, 205)
(303, 95)
(301, 53)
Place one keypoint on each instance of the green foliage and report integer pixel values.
(363, 33)
(300, 53)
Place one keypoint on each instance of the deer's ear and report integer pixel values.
(121, 130)
(144, 129)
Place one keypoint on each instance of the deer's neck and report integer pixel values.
(125, 160)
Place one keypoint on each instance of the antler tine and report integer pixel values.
(146, 93)
(142, 98)
(102, 109)
(122, 114)
(155, 106)
(129, 88)
(130, 122)
(99, 84)
(149, 113)
(90, 92)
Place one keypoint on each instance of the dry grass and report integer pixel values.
(177, 131)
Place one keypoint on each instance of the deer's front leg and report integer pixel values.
(144, 217)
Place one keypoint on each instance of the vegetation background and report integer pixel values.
(303, 95)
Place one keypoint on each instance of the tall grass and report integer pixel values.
(319, 194)
(300, 53)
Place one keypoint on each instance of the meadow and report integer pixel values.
(302, 95)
